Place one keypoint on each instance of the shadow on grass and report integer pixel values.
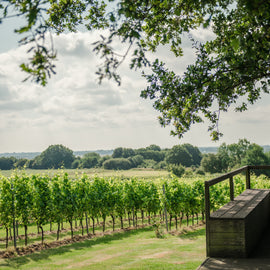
(16, 262)
(192, 234)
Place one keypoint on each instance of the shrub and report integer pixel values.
(76, 163)
(117, 164)
(136, 160)
(161, 165)
(148, 163)
(177, 170)
(200, 172)
(7, 163)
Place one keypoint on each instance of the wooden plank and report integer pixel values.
(252, 204)
(245, 193)
(222, 210)
(217, 225)
(259, 167)
(233, 207)
(228, 251)
(231, 239)
(243, 206)
(234, 210)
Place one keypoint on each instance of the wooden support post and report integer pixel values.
(231, 189)
(207, 215)
(248, 178)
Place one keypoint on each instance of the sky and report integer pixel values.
(76, 111)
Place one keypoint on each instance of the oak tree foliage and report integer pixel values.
(55, 156)
(234, 64)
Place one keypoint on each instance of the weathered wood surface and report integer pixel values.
(219, 226)
(242, 205)
(236, 228)
(259, 259)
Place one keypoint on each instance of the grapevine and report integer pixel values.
(41, 200)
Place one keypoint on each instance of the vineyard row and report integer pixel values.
(40, 200)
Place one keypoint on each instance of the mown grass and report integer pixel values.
(50, 230)
(135, 249)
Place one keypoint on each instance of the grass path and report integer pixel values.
(138, 249)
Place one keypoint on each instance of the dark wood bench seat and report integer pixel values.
(236, 228)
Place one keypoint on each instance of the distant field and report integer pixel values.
(140, 173)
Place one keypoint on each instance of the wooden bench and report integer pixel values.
(236, 228)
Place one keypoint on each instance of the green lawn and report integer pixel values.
(136, 249)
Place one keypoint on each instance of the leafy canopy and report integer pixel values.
(235, 64)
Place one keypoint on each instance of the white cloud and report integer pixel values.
(203, 34)
(74, 110)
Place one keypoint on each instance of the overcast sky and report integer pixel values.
(74, 110)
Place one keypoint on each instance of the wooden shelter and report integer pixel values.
(235, 229)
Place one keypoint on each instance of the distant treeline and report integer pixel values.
(179, 159)
(32, 155)
(58, 156)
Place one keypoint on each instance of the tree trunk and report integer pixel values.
(17, 228)
(104, 220)
(175, 217)
(154, 217)
(187, 219)
(133, 217)
(93, 225)
(71, 228)
(25, 235)
(81, 221)
(181, 219)
(14, 234)
(122, 225)
(163, 216)
(6, 237)
(113, 219)
(86, 223)
(42, 234)
(142, 216)
(170, 223)
(129, 219)
(58, 230)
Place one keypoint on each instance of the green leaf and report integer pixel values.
(235, 44)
